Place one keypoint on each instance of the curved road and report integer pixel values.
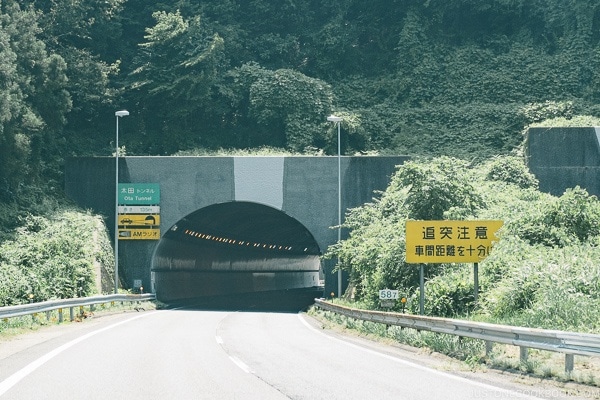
(195, 354)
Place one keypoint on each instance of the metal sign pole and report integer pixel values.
(422, 290)
(476, 281)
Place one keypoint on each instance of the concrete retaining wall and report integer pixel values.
(563, 158)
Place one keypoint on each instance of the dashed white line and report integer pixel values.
(240, 364)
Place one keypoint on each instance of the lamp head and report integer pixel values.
(334, 118)
(122, 113)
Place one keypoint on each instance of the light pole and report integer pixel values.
(338, 120)
(118, 114)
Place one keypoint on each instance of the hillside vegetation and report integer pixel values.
(453, 81)
(460, 78)
(65, 255)
(544, 272)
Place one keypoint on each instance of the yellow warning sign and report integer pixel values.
(139, 220)
(139, 234)
(450, 241)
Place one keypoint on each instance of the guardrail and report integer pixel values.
(51, 305)
(569, 343)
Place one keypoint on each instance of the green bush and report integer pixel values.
(449, 294)
(511, 169)
(538, 112)
(573, 217)
(553, 288)
(53, 258)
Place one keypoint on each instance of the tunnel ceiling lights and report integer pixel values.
(224, 240)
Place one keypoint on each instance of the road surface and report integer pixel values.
(204, 354)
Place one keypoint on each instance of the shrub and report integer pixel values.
(574, 217)
(511, 169)
(537, 112)
(53, 258)
(450, 293)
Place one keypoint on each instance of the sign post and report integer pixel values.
(476, 281)
(422, 290)
(449, 242)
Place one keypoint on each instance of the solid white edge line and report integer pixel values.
(414, 365)
(12, 380)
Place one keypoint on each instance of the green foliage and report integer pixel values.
(576, 121)
(544, 264)
(511, 170)
(53, 258)
(465, 130)
(549, 288)
(429, 78)
(436, 187)
(285, 108)
(449, 294)
(537, 112)
(175, 70)
(32, 98)
(288, 99)
(261, 151)
(573, 217)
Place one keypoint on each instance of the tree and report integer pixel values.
(33, 97)
(176, 69)
(293, 105)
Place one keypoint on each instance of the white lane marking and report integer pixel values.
(241, 364)
(507, 392)
(12, 380)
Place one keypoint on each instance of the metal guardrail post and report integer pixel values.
(489, 346)
(569, 363)
(523, 354)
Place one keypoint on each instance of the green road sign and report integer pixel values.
(139, 193)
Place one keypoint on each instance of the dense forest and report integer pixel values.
(460, 78)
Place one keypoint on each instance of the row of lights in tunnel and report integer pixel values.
(206, 236)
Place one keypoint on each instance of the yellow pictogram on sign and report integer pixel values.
(130, 220)
(450, 241)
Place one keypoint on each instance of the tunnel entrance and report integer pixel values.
(237, 251)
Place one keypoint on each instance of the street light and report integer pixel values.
(118, 114)
(338, 120)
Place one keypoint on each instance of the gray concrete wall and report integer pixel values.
(303, 187)
(563, 158)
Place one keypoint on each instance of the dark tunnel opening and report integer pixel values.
(238, 253)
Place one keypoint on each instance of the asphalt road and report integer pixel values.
(201, 354)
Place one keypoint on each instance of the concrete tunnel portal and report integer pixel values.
(237, 249)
